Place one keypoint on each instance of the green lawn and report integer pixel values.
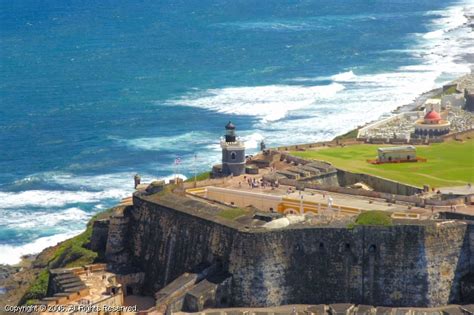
(449, 163)
(232, 214)
(372, 217)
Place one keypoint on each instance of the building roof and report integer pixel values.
(399, 148)
(433, 115)
(230, 125)
(433, 101)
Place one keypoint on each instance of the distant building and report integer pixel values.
(432, 125)
(397, 154)
(469, 96)
(233, 154)
(433, 104)
(453, 100)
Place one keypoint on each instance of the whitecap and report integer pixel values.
(269, 103)
(344, 76)
(252, 141)
(180, 142)
(12, 254)
(173, 177)
(21, 219)
(49, 198)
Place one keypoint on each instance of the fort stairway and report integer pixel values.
(193, 292)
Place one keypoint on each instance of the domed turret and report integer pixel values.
(230, 132)
(432, 117)
(229, 126)
(431, 125)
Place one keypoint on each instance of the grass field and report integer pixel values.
(449, 164)
(232, 214)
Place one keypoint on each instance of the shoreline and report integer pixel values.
(16, 279)
(420, 100)
(414, 105)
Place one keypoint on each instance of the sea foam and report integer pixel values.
(296, 113)
(270, 103)
(12, 254)
(45, 198)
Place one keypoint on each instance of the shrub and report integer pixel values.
(37, 290)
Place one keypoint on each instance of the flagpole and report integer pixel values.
(195, 171)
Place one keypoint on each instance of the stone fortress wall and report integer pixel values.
(340, 178)
(392, 191)
(401, 265)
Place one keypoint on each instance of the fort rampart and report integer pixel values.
(400, 265)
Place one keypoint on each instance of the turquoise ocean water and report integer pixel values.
(92, 92)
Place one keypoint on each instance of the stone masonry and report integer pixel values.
(420, 264)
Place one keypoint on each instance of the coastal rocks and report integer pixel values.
(15, 280)
(6, 271)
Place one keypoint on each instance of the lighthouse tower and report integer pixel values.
(233, 152)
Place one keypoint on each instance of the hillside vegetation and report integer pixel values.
(73, 252)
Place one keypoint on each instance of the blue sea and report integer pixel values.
(92, 92)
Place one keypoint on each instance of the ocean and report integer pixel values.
(92, 92)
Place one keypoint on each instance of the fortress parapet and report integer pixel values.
(414, 263)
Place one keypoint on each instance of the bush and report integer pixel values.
(374, 217)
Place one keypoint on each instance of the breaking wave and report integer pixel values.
(45, 198)
(170, 143)
(12, 254)
(310, 111)
(27, 219)
(269, 103)
(56, 204)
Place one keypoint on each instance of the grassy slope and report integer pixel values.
(449, 164)
(348, 135)
(199, 177)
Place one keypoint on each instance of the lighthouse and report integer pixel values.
(233, 154)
